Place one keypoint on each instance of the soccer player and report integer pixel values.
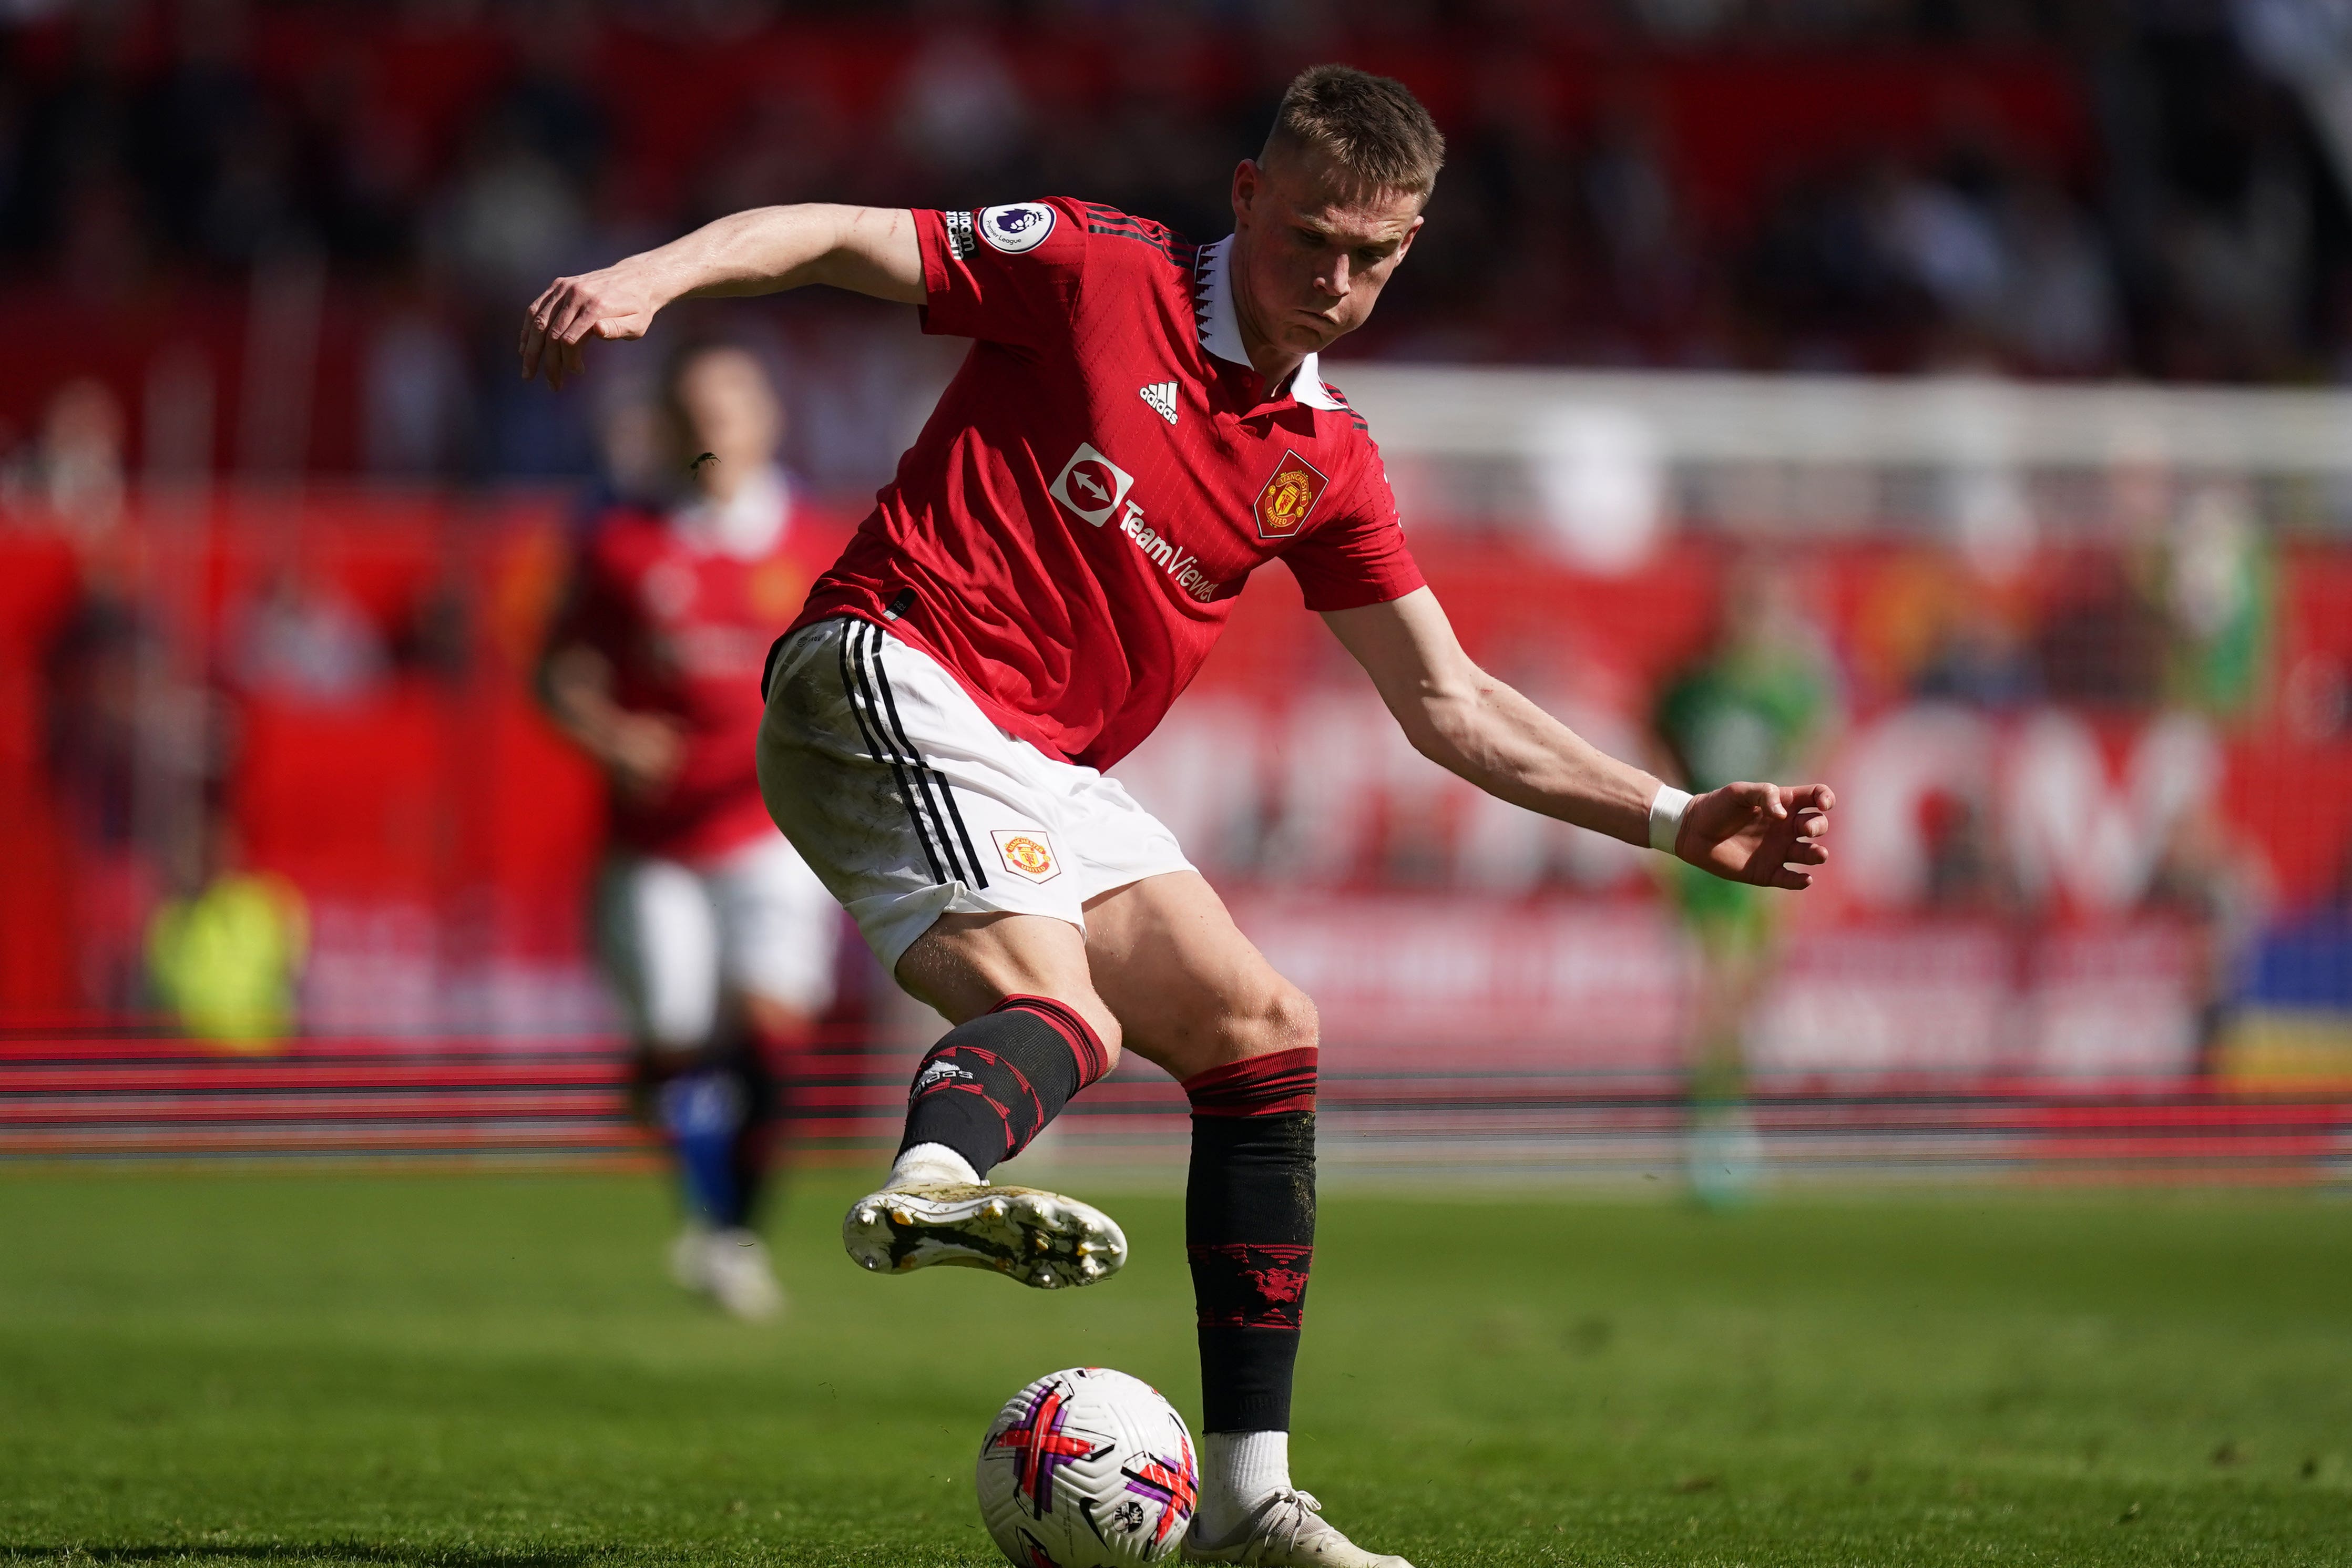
(1140, 423)
(718, 936)
(1754, 705)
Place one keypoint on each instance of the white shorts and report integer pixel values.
(676, 937)
(910, 803)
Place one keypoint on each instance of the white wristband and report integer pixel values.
(1667, 808)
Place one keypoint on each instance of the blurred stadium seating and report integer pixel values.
(1849, 285)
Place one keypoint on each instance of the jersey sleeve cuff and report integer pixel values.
(932, 243)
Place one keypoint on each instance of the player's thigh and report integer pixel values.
(780, 930)
(905, 798)
(660, 940)
(1190, 992)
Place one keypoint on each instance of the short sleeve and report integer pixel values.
(1007, 275)
(1358, 555)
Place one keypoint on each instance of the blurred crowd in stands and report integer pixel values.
(2042, 187)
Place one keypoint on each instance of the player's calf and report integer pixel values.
(1249, 1231)
(1249, 1227)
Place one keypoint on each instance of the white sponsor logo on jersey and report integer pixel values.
(1016, 227)
(1094, 487)
(1091, 484)
(1179, 565)
(1161, 396)
(959, 241)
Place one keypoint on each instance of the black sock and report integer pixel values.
(1249, 1231)
(717, 1110)
(753, 1156)
(989, 1085)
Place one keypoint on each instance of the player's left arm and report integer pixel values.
(867, 250)
(1466, 721)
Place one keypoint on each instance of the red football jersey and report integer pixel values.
(1069, 532)
(685, 607)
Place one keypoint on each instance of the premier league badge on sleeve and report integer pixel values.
(1016, 227)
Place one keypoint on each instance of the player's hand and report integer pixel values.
(613, 304)
(1768, 834)
(643, 754)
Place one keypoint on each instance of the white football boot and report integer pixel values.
(737, 1273)
(1287, 1531)
(1040, 1238)
(730, 1267)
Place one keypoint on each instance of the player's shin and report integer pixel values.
(1249, 1231)
(992, 1084)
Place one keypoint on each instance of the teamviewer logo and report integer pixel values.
(1091, 484)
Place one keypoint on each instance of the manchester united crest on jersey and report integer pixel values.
(1289, 497)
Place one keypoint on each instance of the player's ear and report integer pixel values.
(1246, 179)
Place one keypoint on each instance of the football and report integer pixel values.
(1088, 1469)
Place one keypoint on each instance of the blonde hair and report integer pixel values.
(1372, 126)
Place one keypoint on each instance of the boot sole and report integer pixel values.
(1043, 1239)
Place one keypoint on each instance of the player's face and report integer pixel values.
(725, 407)
(1313, 250)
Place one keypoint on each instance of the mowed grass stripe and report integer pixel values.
(480, 1370)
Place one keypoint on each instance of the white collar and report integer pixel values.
(747, 527)
(1221, 326)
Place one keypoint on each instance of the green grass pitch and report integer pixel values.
(489, 1371)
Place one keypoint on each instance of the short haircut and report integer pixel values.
(1372, 126)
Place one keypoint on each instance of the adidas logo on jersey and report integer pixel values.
(1161, 396)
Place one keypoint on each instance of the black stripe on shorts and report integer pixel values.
(929, 802)
(954, 813)
(861, 703)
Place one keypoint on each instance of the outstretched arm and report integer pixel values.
(870, 250)
(1466, 721)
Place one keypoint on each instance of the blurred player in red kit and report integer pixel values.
(1140, 423)
(718, 936)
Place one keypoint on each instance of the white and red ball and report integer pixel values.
(1088, 1469)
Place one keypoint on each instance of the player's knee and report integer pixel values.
(1106, 1030)
(1284, 1019)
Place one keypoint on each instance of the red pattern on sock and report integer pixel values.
(955, 1056)
(1086, 1046)
(1255, 1284)
(1274, 1084)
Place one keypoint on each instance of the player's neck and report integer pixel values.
(1276, 365)
(1266, 357)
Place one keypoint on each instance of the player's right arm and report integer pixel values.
(868, 250)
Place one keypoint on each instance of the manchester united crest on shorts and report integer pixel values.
(1029, 855)
(1289, 496)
